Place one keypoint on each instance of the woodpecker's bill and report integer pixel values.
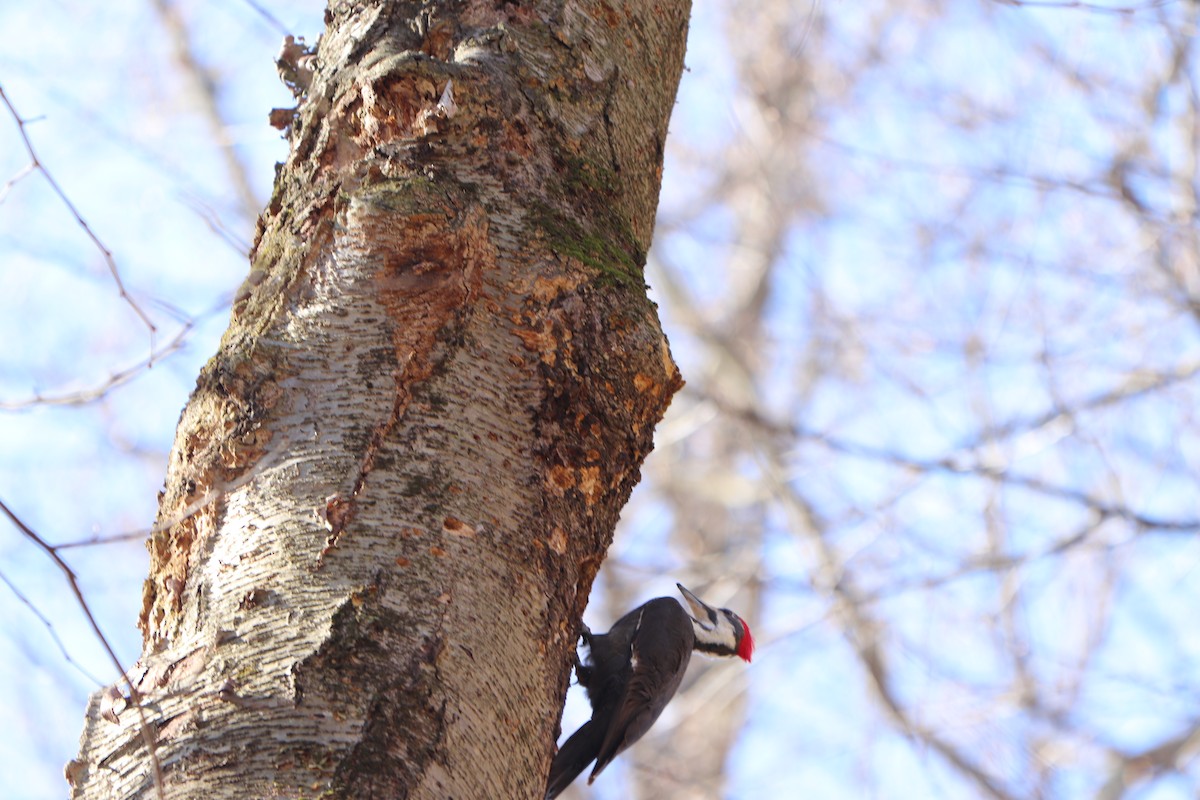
(632, 672)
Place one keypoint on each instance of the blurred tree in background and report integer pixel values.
(931, 271)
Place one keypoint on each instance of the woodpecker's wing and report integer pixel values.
(660, 649)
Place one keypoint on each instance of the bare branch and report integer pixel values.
(35, 163)
(1121, 10)
(1130, 769)
(72, 581)
(205, 85)
(97, 392)
(62, 648)
(271, 19)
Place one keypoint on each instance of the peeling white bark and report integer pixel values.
(393, 485)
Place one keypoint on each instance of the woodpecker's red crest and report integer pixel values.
(746, 644)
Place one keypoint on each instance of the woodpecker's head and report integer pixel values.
(719, 631)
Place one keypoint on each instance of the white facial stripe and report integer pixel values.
(723, 635)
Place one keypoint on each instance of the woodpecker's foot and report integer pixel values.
(583, 674)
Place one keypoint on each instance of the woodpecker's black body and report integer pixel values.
(633, 671)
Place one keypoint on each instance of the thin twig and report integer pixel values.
(89, 395)
(73, 582)
(62, 648)
(102, 539)
(36, 163)
(207, 92)
(15, 179)
(271, 19)
(957, 464)
(1084, 6)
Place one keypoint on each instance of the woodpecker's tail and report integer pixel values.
(573, 757)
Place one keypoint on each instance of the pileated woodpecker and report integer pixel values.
(632, 672)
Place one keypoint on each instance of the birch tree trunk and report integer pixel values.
(394, 483)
